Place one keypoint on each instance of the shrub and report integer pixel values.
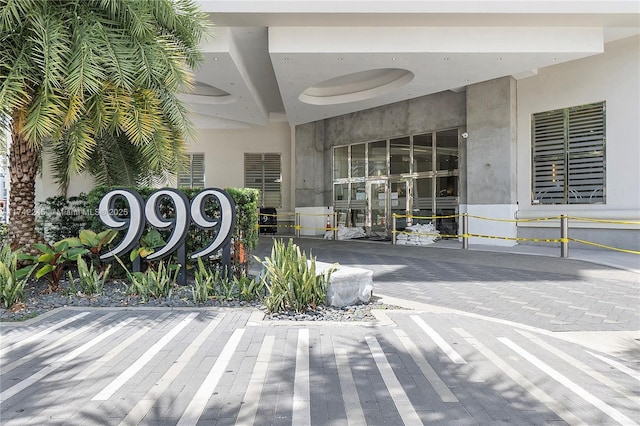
(61, 217)
(12, 279)
(209, 283)
(156, 283)
(291, 280)
(53, 259)
(91, 281)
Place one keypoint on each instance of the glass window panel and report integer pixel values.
(358, 160)
(423, 193)
(341, 192)
(341, 162)
(447, 150)
(358, 193)
(378, 158)
(447, 186)
(400, 155)
(422, 154)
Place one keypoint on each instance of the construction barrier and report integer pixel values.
(285, 220)
(564, 231)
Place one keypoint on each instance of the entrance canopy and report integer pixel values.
(302, 61)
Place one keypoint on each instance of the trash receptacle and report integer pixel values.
(268, 220)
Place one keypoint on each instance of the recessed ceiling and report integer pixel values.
(356, 86)
(204, 89)
(310, 60)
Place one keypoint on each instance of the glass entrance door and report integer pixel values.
(400, 201)
(377, 220)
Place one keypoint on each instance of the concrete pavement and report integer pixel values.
(486, 339)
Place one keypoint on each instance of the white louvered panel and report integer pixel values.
(263, 172)
(197, 170)
(192, 176)
(272, 180)
(586, 154)
(253, 171)
(549, 157)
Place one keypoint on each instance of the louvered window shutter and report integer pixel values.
(264, 172)
(192, 176)
(586, 142)
(568, 163)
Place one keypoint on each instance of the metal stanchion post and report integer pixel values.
(297, 224)
(564, 236)
(393, 230)
(335, 226)
(465, 231)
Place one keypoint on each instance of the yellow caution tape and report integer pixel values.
(603, 246)
(539, 219)
(537, 240)
(618, 222)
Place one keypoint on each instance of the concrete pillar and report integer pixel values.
(310, 159)
(491, 159)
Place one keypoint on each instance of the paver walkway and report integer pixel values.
(444, 362)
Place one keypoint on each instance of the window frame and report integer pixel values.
(568, 148)
(188, 172)
(265, 187)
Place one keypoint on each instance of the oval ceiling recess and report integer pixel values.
(358, 86)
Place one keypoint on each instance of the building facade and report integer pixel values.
(502, 110)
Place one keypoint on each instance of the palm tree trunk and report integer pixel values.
(23, 167)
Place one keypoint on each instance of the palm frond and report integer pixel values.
(13, 12)
(44, 116)
(85, 74)
(50, 49)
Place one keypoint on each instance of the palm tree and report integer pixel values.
(75, 72)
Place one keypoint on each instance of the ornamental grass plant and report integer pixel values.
(291, 280)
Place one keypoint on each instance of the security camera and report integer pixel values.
(465, 135)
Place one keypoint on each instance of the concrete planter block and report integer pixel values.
(347, 286)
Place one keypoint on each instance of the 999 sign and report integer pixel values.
(185, 213)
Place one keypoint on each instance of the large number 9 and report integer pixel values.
(134, 223)
(226, 222)
(179, 223)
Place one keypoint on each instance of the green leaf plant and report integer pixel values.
(90, 280)
(12, 279)
(52, 260)
(154, 282)
(148, 244)
(94, 242)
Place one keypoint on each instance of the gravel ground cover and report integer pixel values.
(37, 301)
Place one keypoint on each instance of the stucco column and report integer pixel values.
(491, 159)
(310, 159)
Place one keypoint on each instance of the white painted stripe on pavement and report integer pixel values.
(61, 341)
(400, 399)
(127, 374)
(615, 364)
(569, 384)
(514, 375)
(301, 389)
(352, 405)
(199, 402)
(143, 406)
(436, 382)
(438, 340)
(98, 364)
(23, 384)
(582, 367)
(46, 331)
(249, 407)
